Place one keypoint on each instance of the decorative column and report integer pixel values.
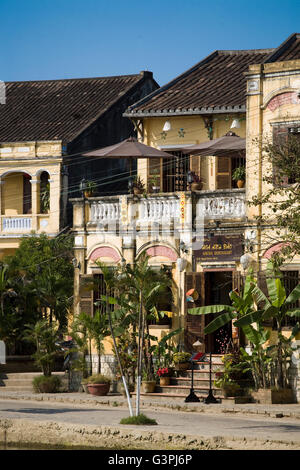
(35, 203)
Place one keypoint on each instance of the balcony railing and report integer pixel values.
(159, 208)
(16, 224)
(165, 207)
(223, 204)
(103, 211)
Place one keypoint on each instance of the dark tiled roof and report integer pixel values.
(288, 50)
(58, 109)
(216, 82)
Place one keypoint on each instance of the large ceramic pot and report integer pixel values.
(240, 183)
(98, 389)
(148, 386)
(164, 381)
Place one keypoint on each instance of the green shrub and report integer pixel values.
(98, 379)
(46, 384)
(140, 419)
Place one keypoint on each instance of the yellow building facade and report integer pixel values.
(32, 185)
(202, 104)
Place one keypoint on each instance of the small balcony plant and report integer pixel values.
(154, 184)
(239, 175)
(90, 188)
(138, 186)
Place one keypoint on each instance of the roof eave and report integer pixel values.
(187, 112)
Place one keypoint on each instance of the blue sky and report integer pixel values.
(49, 39)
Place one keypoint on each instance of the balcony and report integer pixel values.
(15, 224)
(165, 208)
(223, 204)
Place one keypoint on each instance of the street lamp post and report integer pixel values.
(210, 397)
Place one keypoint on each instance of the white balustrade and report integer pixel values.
(102, 211)
(158, 209)
(12, 224)
(224, 207)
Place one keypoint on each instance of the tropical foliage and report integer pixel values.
(250, 310)
(35, 283)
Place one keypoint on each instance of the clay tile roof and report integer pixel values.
(215, 83)
(58, 109)
(288, 50)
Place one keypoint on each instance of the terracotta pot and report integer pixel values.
(164, 381)
(148, 386)
(196, 186)
(88, 194)
(98, 389)
(240, 183)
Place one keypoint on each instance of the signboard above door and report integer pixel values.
(220, 248)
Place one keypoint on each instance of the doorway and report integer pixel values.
(218, 285)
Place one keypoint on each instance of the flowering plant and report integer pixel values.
(163, 372)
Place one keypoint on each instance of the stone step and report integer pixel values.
(16, 388)
(203, 373)
(21, 381)
(177, 396)
(187, 381)
(24, 375)
(184, 389)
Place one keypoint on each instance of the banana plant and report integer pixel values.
(276, 305)
(242, 305)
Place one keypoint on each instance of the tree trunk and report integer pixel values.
(118, 357)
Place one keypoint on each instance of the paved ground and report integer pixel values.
(280, 411)
(274, 423)
(198, 424)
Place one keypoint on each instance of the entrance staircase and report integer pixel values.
(180, 386)
(20, 381)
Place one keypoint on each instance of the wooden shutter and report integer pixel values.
(194, 324)
(86, 294)
(237, 281)
(280, 138)
(195, 161)
(223, 173)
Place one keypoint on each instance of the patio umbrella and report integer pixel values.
(129, 148)
(228, 145)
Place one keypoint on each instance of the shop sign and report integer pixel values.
(220, 248)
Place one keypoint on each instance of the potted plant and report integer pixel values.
(229, 387)
(181, 360)
(90, 188)
(148, 382)
(138, 186)
(98, 384)
(164, 374)
(154, 184)
(239, 175)
(197, 182)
